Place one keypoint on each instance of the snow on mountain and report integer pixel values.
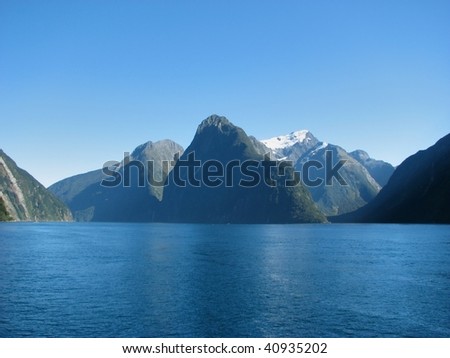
(291, 146)
(320, 146)
(301, 146)
(288, 140)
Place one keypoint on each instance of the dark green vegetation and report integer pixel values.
(218, 139)
(418, 191)
(4, 216)
(24, 198)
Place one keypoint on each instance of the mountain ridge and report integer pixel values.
(132, 199)
(417, 192)
(24, 198)
(218, 139)
(302, 146)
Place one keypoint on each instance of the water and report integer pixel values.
(176, 280)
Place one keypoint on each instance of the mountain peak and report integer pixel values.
(360, 155)
(151, 150)
(140, 148)
(214, 121)
(216, 133)
(288, 140)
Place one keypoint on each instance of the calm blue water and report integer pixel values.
(176, 280)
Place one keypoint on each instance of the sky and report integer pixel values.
(82, 82)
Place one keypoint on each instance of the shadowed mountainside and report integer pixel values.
(417, 192)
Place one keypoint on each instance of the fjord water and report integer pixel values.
(180, 280)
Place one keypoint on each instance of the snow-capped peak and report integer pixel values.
(288, 140)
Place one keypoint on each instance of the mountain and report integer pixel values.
(233, 195)
(69, 188)
(260, 147)
(133, 199)
(358, 186)
(23, 198)
(417, 192)
(291, 146)
(378, 169)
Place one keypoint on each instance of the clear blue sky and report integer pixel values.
(83, 81)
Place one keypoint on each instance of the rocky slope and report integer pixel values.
(378, 169)
(24, 198)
